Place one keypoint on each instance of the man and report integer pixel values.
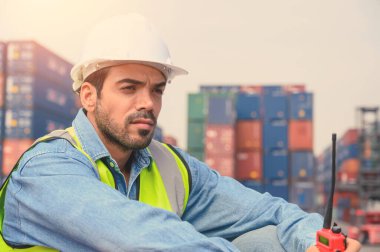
(104, 185)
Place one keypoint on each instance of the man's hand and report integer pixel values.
(352, 246)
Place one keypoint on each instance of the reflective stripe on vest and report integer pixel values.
(165, 184)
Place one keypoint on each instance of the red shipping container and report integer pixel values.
(251, 89)
(300, 135)
(12, 151)
(220, 139)
(294, 88)
(249, 135)
(222, 163)
(351, 136)
(249, 165)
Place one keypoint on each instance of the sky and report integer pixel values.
(332, 46)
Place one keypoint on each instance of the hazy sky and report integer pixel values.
(333, 46)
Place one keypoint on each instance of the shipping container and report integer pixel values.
(301, 106)
(248, 106)
(197, 153)
(220, 140)
(32, 124)
(251, 89)
(219, 89)
(303, 194)
(275, 107)
(275, 134)
(2, 73)
(221, 109)
(275, 164)
(252, 184)
(302, 164)
(168, 139)
(197, 107)
(12, 151)
(196, 135)
(294, 88)
(34, 91)
(300, 135)
(347, 152)
(351, 136)
(278, 188)
(224, 164)
(32, 58)
(249, 165)
(249, 135)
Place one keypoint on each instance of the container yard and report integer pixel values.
(259, 88)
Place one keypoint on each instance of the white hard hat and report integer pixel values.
(123, 39)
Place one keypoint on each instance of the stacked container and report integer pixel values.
(38, 97)
(275, 140)
(248, 130)
(2, 94)
(197, 112)
(220, 130)
(301, 149)
(266, 125)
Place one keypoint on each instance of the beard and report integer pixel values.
(119, 135)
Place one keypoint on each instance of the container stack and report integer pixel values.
(2, 94)
(301, 149)
(275, 136)
(220, 129)
(38, 97)
(249, 143)
(271, 132)
(197, 113)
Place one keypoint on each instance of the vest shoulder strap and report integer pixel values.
(174, 173)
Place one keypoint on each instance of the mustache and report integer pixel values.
(142, 115)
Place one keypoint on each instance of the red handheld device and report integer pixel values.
(331, 239)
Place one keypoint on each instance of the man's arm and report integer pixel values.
(221, 206)
(56, 200)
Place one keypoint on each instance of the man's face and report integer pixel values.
(130, 102)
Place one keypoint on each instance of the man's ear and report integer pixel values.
(88, 96)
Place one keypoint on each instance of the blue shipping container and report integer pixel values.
(221, 110)
(301, 106)
(275, 134)
(303, 194)
(248, 106)
(273, 91)
(33, 123)
(347, 152)
(275, 164)
(275, 107)
(278, 188)
(32, 58)
(302, 164)
(33, 91)
(255, 185)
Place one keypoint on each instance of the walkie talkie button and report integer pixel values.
(336, 230)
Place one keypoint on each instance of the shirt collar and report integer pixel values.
(94, 147)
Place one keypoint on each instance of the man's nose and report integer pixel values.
(145, 100)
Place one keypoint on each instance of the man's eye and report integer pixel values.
(159, 91)
(129, 87)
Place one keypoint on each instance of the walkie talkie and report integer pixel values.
(331, 238)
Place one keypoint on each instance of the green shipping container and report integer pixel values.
(197, 106)
(195, 135)
(197, 153)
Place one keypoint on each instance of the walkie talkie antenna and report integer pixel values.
(328, 214)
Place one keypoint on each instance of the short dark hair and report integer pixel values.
(97, 79)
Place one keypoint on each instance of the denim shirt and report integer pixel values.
(55, 199)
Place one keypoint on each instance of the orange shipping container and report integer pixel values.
(220, 139)
(249, 165)
(300, 135)
(223, 164)
(249, 135)
(12, 151)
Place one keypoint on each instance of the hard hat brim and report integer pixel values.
(82, 70)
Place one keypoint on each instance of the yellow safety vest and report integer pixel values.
(165, 184)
